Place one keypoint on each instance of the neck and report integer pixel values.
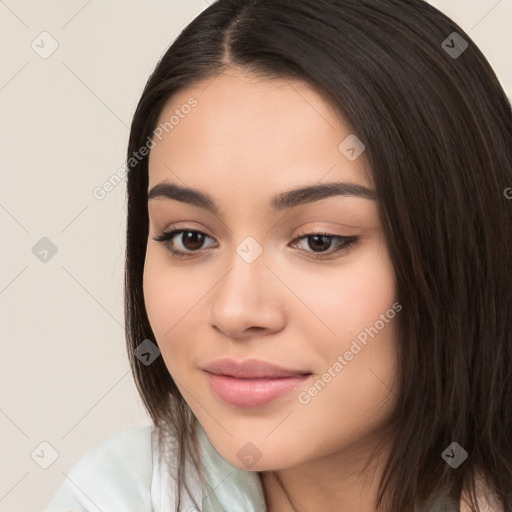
(346, 481)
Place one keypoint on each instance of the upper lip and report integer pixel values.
(250, 369)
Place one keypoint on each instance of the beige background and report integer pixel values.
(63, 130)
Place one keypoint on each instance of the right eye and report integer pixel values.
(190, 244)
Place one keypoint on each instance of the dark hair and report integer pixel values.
(438, 133)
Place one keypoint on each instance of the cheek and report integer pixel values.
(348, 298)
(169, 298)
(355, 336)
(169, 292)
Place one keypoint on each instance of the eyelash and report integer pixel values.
(344, 242)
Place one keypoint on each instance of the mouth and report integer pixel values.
(252, 383)
(250, 393)
(252, 369)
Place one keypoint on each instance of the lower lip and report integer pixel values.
(249, 393)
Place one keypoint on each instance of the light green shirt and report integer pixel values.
(124, 474)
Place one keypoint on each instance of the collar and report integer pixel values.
(225, 487)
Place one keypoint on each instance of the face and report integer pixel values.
(304, 283)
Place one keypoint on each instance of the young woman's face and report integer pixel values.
(253, 285)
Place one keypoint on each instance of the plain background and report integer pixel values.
(65, 378)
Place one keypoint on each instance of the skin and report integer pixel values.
(247, 140)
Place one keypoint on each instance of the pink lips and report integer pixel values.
(252, 383)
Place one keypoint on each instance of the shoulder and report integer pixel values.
(114, 476)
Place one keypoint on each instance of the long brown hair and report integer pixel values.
(438, 133)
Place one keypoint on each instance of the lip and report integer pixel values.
(249, 393)
(251, 369)
(252, 383)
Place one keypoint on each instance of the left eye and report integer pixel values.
(321, 244)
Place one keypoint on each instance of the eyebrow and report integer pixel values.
(282, 201)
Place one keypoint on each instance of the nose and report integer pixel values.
(247, 300)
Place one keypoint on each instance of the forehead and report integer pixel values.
(243, 132)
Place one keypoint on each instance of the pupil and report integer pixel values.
(322, 246)
(193, 240)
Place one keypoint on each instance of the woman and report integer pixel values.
(318, 268)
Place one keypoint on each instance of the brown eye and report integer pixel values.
(325, 245)
(319, 242)
(183, 242)
(192, 240)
